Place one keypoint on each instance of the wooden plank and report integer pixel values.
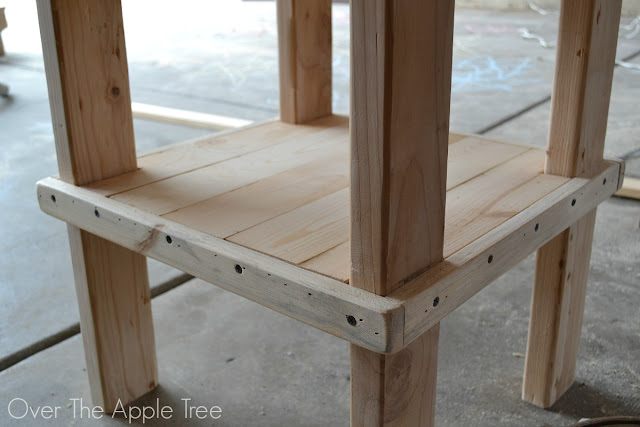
(185, 117)
(473, 267)
(471, 156)
(630, 188)
(302, 233)
(87, 77)
(241, 209)
(202, 152)
(273, 283)
(400, 99)
(579, 109)
(304, 50)
(174, 193)
(475, 207)
(334, 263)
(488, 200)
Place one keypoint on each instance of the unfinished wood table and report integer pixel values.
(338, 222)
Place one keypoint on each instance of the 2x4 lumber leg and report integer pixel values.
(87, 77)
(398, 389)
(304, 44)
(562, 268)
(579, 110)
(114, 301)
(400, 99)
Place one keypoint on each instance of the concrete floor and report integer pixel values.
(219, 349)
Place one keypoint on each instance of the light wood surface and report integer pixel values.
(305, 176)
(400, 100)
(587, 42)
(304, 52)
(185, 117)
(630, 188)
(315, 299)
(460, 276)
(87, 77)
(467, 271)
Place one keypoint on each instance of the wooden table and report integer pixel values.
(372, 227)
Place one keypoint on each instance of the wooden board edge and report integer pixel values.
(630, 188)
(353, 314)
(439, 291)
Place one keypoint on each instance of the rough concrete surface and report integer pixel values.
(260, 367)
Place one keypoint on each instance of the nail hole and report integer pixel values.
(352, 320)
(238, 269)
(169, 240)
(490, 259)
(309, 293)
(376, 333)
(115, 91)
(436, 301)
(96, 213)
(53, 198)
(573, 202)
(536, 227)
(361, 320)
(604, 181)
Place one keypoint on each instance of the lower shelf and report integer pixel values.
(264, 211)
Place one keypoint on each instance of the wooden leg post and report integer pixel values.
(400, 96)
(87, 76)
(304, 44)
(580, 104)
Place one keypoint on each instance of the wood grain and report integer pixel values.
(579, 110)
(87, 77)
(459, 277)
(467, 271)
(304, 52)
(400, 100)
(630, 188)
(310, 297)
(399, 125)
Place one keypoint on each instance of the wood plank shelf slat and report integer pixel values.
(272, 200)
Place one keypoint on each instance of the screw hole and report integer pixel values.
(238, 269)
(53, 198)
(361, 320)
(169, 240)
(96, 213)
(436, 301)
(490, 259)
(536, 227)
(352, 320)
(309, 293)
(573, 202)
